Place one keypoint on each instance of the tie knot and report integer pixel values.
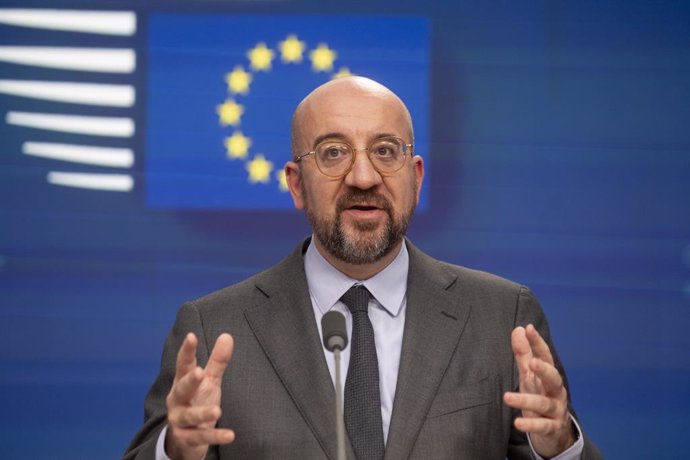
(356, 298)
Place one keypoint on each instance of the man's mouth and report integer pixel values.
(364, 213)
(363, 207)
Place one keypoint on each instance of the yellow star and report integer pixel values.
(282, 180)
(230, 113)
(237, 145)
(343, 72)
(259, 169)
(260, 57)
(322, 58)
(291, 49)
(238, 80)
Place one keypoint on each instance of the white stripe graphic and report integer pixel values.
(73, 93)
(85, 154)
(95, 22)
(95, 126)
(115, 60)
(110, 182)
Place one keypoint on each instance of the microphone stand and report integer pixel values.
(335, 340)
(339, 421)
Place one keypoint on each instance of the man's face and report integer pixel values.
(362, 216)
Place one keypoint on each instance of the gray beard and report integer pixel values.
(371, 242)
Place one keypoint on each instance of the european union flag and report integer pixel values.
(221, 91)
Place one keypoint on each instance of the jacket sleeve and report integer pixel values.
(143, 446)
(529, 311)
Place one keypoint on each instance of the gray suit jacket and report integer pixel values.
(277, 393)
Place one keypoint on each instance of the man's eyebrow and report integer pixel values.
(382, 135)
(343, 137)
(323, 137)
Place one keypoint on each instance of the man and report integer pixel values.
(462, 361)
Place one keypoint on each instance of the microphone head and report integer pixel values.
(334, 331)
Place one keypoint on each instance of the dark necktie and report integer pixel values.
(362, 399)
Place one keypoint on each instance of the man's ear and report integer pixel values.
(418, 166)
(293, 178)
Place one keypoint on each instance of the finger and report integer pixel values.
(550, 378)
(541, 426)
(186, 357)
(521, 349)
(190, 417)
(535, 405)
(205, 436)
(540, 348)
(184, 389)
(220, 356)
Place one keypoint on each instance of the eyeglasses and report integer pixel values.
(335, 158)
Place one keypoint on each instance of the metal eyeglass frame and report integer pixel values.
(409, 152)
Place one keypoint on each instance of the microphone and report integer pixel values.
(334, 331)
(334, 334)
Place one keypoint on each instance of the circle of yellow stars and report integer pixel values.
(292, 51)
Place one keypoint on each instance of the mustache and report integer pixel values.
(358, 196)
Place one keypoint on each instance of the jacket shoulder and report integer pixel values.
(469, 280)
(290, 269)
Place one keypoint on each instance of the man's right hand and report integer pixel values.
(194, 401)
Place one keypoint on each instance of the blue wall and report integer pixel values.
(559, 156)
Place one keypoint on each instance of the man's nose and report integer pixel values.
(363, 175)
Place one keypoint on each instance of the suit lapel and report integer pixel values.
(434, 322)
(284, 324)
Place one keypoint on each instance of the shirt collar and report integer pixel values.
(327, 284)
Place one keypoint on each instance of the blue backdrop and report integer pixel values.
(557, 143)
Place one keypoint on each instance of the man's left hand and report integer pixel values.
(543, 398)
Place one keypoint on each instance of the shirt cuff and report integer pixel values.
(573, 452)
(160, 445)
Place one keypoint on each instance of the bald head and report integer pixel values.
(351, 97)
